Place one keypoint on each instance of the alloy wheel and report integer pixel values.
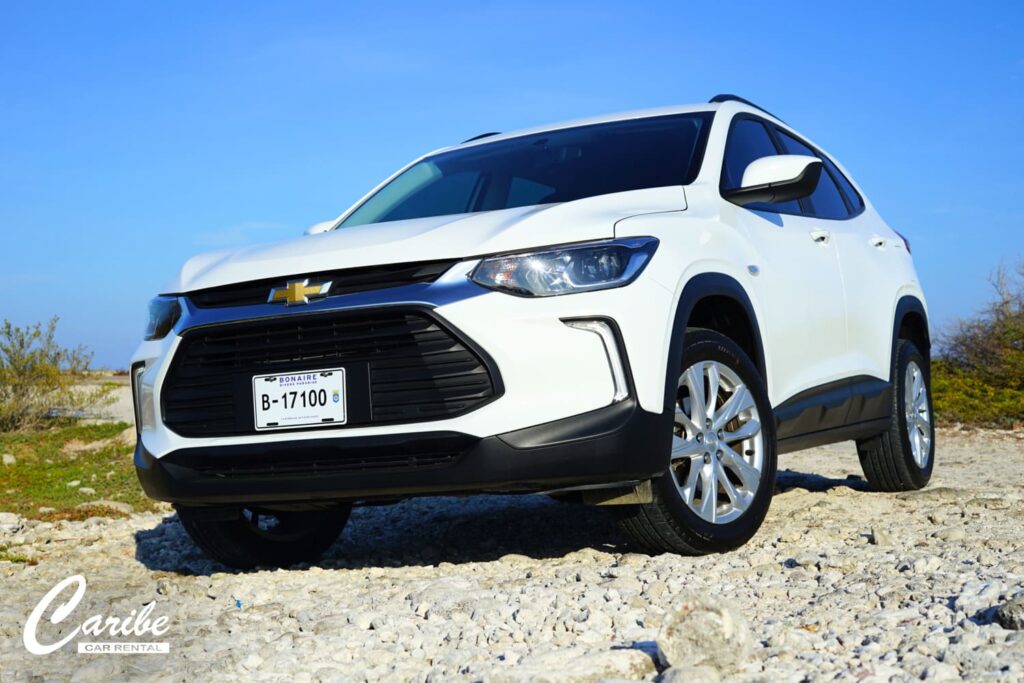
(917, 413)
(717, 446)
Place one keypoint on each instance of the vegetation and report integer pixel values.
(49, 463)
(8, 555)
(978, 375)
(40, 379)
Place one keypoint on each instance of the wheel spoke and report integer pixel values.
(714, 379)
(684, 421)
(708, 494)
(690, 487)
(747, 473)
(727, 487)
(684, 448)
(751, 428)
(740, 401)
(921, 401)
(698, 402)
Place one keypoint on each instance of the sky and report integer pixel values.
(135, 135)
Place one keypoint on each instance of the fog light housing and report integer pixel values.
(142, 395)
(603, 329)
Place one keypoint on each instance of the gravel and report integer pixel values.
(1011, 614)
(840, 582)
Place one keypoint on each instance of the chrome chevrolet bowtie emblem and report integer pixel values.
(298, 292)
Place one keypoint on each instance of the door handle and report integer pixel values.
(821, 236)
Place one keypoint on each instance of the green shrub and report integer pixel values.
(39, 378)
(967, 398)
(978, 376)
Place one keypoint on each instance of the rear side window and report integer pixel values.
(827, 201)
(852, 196)
(748, 141)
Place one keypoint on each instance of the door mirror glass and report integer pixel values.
(775, 179)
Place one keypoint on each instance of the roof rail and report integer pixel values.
(480, 137)
(737, 98)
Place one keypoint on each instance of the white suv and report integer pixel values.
(643, 309)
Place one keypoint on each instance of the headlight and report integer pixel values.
(164, 312)
(567, 270)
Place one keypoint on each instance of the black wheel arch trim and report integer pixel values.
(908, 304)
(700, 287)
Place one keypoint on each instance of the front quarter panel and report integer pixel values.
(691, 245)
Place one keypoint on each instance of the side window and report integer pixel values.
(523, 192)
(856, 203)
(827, 201)
(748, 141)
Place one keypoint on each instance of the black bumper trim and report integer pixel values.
(617, 443)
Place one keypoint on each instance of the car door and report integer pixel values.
(797, 282)
(874, 261)
(859, 240)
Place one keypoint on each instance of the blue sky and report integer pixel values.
(134, 135)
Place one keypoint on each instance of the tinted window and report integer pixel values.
(748, 141)
(554, 166)
(826, 202)
(848, 189)
(442, 195)
(523, 192)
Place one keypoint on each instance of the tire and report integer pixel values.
(671, 523)
(891, 461)
(262, 538)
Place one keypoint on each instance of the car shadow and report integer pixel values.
(423, 532)
(456, 530)
(787, 480)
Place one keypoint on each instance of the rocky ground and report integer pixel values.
(840, 583)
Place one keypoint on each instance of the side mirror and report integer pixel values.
(777, 179)
(317, 228)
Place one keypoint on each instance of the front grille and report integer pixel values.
(346, 281)
(401, 366)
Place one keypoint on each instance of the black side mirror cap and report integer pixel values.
(799, 187)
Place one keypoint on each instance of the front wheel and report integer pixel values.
(256, 537)
(718, 485)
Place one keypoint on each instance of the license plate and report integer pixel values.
(315, 398)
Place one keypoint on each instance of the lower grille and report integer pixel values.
(306, 467)
(401, 365)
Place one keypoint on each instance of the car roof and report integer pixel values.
(731, 105)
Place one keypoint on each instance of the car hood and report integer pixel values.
(427, 239)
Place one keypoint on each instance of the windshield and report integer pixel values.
(544, 168)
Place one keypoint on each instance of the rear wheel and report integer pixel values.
(902, 457)
(259, 537)
(721, 474)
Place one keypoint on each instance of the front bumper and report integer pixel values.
(558, 421)
(618, 443)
